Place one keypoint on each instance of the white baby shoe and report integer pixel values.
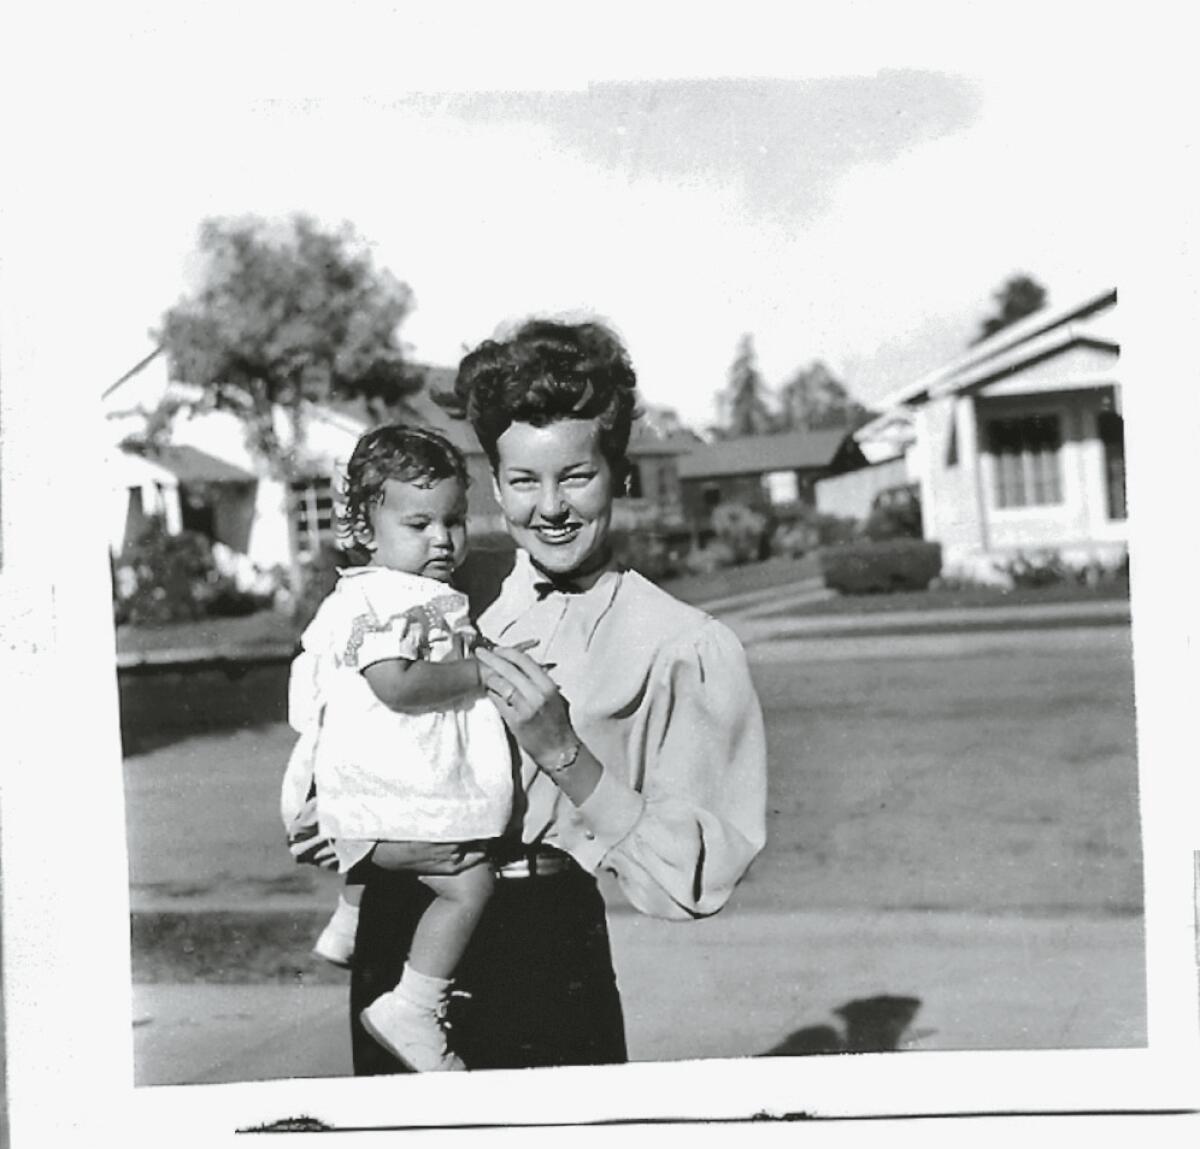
(415, 1034)
(336, 943)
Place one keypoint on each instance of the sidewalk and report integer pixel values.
(736, 985)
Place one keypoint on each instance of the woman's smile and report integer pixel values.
(556, 490)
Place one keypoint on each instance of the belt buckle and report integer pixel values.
(534, 864)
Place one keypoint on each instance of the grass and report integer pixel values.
(1002, 783)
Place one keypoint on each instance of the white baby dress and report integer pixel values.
(442, 775)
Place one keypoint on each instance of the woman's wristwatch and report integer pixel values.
(564, 761)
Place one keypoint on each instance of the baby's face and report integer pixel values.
(421, 530)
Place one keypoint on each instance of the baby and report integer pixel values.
(398, 738)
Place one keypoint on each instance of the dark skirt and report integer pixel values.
(535, 988)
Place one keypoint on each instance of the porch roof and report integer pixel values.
(191, 465)
(1016, 341)
(1041, 335)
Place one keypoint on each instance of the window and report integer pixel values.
(1111, 427)
(712, 495)
(1024, 451)
(781, 487)
(312, 515)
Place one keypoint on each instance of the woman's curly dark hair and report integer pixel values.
(547, 371)
(396, 451)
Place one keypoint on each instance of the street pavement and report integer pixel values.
(737, 985)
(750, 981)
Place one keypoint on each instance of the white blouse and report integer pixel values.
(661, 694)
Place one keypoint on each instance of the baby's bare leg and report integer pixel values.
(445, 928)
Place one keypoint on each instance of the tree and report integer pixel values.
(666, 422)
(743, 405)
(1020, 296)
(285, 316)
(814, 400)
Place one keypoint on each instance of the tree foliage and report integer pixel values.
(813, 399)
(284, 315)
(743, 405)
(1019, 296)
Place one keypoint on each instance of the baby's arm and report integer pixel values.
(405, 684)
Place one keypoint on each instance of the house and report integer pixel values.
(197, 472)
(767, 473)
(1018, 445)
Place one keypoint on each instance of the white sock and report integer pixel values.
(423, 990)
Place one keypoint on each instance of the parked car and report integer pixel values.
(895, 513)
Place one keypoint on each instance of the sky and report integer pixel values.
(859, 207)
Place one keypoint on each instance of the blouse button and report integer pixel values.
(589, 835)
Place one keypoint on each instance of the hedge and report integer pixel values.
(866, 567)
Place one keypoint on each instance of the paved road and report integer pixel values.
(747, 980)
(737, 985)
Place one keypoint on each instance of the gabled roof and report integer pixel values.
(1089, 322)
(190, 465)
(759, 454)
(1027, 338)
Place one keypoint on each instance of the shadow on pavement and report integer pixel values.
(870, 1025)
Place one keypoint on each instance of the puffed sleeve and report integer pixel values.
(682, 835)
(377, 624)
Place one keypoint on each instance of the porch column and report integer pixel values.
(969, 446)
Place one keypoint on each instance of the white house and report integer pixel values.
(206, 479)
(1018, 445)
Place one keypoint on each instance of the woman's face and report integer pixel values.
(556, 491)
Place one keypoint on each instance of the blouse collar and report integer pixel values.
(526, 586)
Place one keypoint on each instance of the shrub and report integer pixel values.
(166, 578)
(706, 560)
(647, 552)
(833, 530)
(868, 567)
(1040, 570)
(742, 530)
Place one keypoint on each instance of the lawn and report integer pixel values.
(998, 783)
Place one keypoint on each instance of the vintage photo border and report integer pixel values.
(66, 958)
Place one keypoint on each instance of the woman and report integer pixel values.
(641, 741)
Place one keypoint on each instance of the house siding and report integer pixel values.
(850, 495)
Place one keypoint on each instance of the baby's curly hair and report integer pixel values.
(396, 451)
(547, 371)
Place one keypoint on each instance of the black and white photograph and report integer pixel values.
(549, 591)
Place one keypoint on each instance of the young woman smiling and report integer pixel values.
(639, 739)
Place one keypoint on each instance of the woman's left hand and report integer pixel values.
(529, 702)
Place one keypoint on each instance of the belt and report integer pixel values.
(538, 862)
